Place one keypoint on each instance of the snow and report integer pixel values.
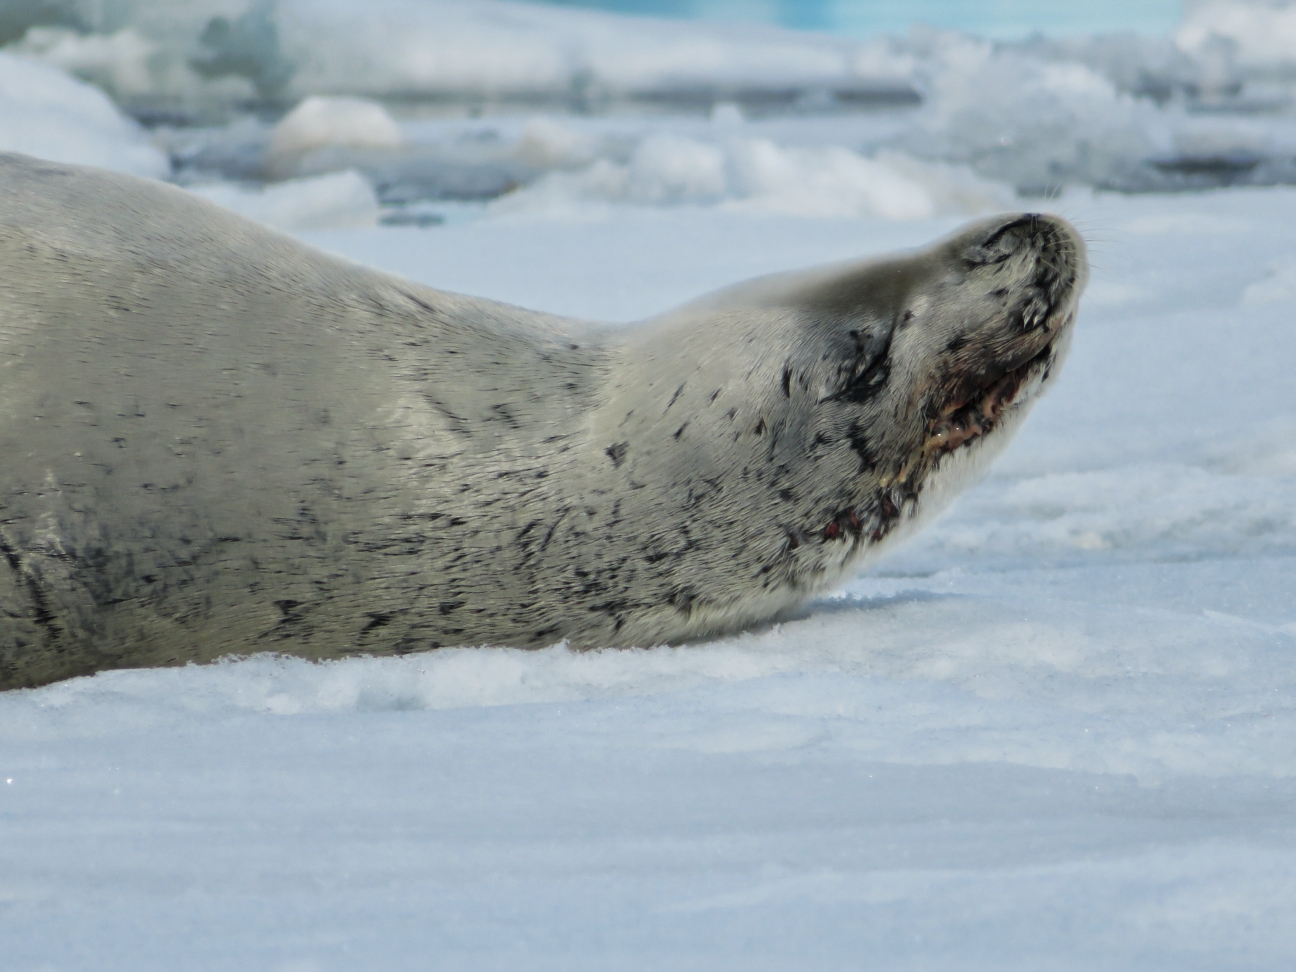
(1121, 111)
(322, 122)
(335, 201)
(1057, 730)
(1260, 36)
(44, 112)
(759, 174)
(386, 47)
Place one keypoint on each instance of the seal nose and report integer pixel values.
(1026, 232)
(1043, 255)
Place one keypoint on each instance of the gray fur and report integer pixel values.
(217, 440)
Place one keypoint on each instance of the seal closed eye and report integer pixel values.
(218, 440)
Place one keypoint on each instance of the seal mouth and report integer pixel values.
(974, 414)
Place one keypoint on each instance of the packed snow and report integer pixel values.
(44, 112)
(1057, 730)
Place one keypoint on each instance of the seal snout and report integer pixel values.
(1045, 254)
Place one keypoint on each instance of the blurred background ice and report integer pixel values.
(433, 100)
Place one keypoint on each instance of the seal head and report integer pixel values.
(901, 379)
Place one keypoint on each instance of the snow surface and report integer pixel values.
(1055, 731)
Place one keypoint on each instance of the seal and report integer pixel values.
(217, 440)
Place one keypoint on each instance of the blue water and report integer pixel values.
(860, 18)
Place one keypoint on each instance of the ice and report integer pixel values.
(758, 174)
(1277, 286)
(1038, 125)
(335, 201)
(1054, 731)
(1115, 111)
(409, 47)
(45, 113)
(1257, 37)
(331, 122)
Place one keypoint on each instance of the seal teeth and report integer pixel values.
(953, 407)
(951, 435)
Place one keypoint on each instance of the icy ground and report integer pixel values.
(1058, 731)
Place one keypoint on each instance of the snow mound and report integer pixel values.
(339, 200)
(673, 170)
(350, 122)
(1256, 37)
(1036, 124)
(546, 143)
(46, 113)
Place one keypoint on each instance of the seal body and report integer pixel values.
(215, 440)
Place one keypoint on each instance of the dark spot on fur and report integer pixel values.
(376, 621)
(760, 427)
(420, 303)
(616, 452)
(846, 521)
(445, 607)
(680, 431)
(41, 612)
(859, 444)
(682, 598)
(867, 383)
(675, 397)
(287, 610)
(787, 382)
(957, 343)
